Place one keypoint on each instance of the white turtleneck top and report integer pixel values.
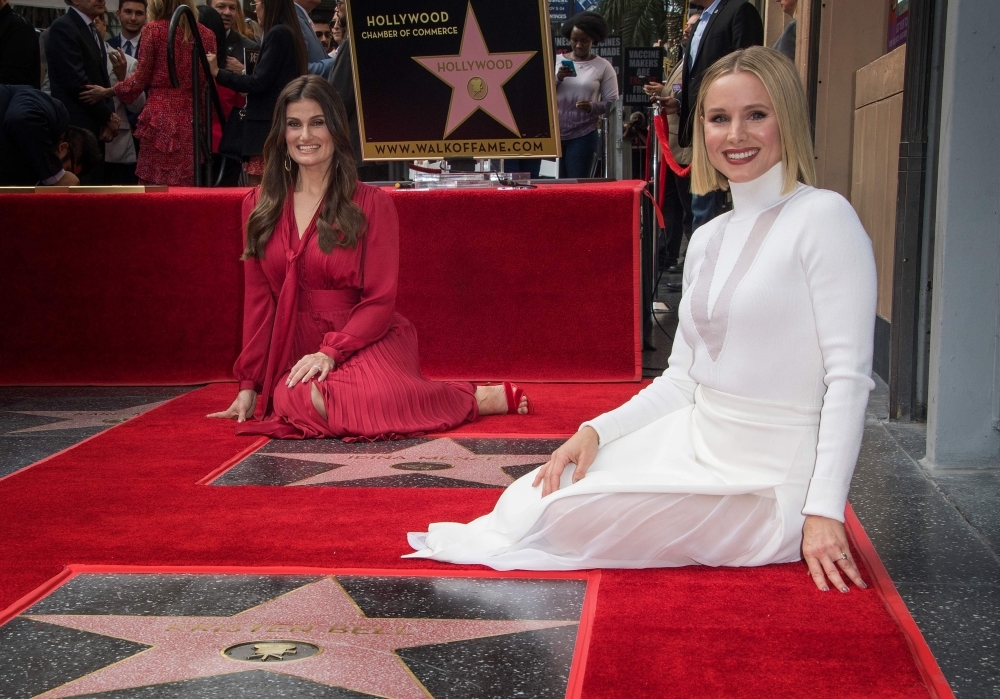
(793, 325)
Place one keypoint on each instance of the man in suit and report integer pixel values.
(725, 26)
(37, 146)
(319, 62)
(20, 58)
(77, 57)
(236, 44)
(342, 79)
(132, 16)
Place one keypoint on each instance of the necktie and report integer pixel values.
(128, 48)
(97, 37)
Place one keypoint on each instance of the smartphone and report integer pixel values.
(570, 66)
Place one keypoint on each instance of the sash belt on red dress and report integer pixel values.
(327, 300)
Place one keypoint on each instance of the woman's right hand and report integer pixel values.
(580, 449)
(652, 89)
(668, 105)
(563, 73)
(213, 63)
(242, 407)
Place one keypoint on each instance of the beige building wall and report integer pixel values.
(878, 115)
(775, 21)
(852, 35)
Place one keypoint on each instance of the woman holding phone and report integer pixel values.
(587, 84)
(282, 59)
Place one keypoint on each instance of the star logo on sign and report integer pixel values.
(358, 652)
(74, 419)
(476, 77)
(440, 457)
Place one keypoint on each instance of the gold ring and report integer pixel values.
(843, 555)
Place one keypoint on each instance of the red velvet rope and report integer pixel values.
(660, 124)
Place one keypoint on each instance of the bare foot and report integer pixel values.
(492, 401)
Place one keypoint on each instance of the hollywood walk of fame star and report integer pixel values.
(358, 652)
(476, 77)
(74, 419)
(441, 457)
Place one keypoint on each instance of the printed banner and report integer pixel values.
(454, 78)
(641, 66)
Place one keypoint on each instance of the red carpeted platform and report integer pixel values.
(130, 497)
(147, 289)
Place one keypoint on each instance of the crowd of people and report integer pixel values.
(79, 91)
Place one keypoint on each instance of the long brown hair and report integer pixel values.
(240, 23)
(283, 12)
(341, 223)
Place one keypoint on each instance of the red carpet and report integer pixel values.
(128, 497)
(159, 301)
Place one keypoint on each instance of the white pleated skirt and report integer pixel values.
(719, 483)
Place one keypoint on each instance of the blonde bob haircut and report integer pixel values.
(789, 99)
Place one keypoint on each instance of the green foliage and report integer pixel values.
(644, 22)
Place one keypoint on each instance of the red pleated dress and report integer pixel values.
(300, 300)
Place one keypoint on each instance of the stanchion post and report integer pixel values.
(650, 234)
(196, 108)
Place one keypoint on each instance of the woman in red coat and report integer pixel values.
(322, 343)
(166, 139)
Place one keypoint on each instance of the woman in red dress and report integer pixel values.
(166, 139)
(322, 343)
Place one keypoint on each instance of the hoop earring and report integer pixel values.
(288, 163)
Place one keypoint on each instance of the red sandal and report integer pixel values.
(513, 394)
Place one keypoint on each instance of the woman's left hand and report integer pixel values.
(827, 554)
(311, 366)
(585, 106)
(213, 63)
(95, 93)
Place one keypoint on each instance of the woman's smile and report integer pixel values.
(742, 156)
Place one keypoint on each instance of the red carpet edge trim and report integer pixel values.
(637, 279)
(35, 595)
(212, 475)
(577, 669)
(93, 436)
(934, 679)
(574, 684)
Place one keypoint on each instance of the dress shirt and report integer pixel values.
(91, 26)
(130, 46)
(700, 30)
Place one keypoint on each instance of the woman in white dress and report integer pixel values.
(742, 452)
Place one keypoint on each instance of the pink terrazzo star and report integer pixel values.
(73, 419)
(477, 77)
(441, 457)
(357, 652)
